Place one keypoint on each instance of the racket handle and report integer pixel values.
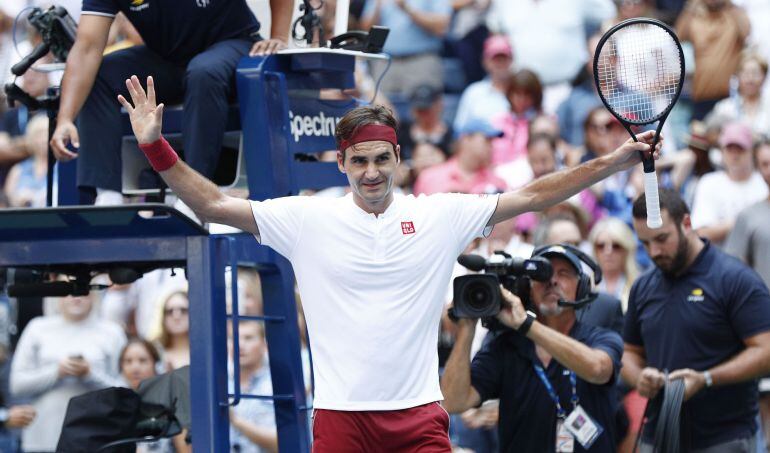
(651, 197)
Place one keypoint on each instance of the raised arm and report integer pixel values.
(200, 194)
(557, 187)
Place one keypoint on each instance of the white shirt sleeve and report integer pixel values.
(29, 378)
(468, 215)
(279, 221)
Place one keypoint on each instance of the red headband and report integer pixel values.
(370, 133)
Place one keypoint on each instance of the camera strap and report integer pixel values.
(560, 412)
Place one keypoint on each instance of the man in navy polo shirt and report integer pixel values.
(705, 317)
(545, 372)
(191, 49)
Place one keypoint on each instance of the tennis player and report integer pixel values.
(372, 268)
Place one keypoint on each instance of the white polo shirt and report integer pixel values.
(373, 289)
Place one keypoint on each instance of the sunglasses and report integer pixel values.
(181, 310)
(603, 246)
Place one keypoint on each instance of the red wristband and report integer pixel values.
(160, 154)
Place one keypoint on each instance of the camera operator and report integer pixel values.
(549, 372)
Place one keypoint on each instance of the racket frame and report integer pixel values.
(648, 163)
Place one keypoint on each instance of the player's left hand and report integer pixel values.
(694, 381)
(628, 153)
(267, 46)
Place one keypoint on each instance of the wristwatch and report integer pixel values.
(525, 326)
(707, 377)
(3, 415)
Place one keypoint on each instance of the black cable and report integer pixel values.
(667, 430)
(667, 434)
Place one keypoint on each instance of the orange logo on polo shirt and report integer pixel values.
(696, 295)
(407, 227)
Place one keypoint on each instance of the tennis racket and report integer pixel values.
(639, 72)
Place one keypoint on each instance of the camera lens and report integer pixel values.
(478, 296)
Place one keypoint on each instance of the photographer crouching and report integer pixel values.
(553, 375)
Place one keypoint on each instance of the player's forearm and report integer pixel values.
(591, 365)
(456, 380)
(82, 65)
(556, 187)
(752, 362)
(197, 192)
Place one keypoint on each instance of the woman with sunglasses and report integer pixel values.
(614, 246)
(174, 338)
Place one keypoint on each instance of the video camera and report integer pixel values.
(478, 295)
(58, 31)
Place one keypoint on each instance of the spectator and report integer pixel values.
(614, 246)
(469, 170)
(486, 98)
(548, 36)
(138, 361)
(721, 195)
(61, 356)
(466, 36)
(26, 182)
(174, 337)
(190, 56)
(705, 318)
(12, 416)
(415, 41)
(541, 160)
(747, 104)
(552, 359)
(252, 422)
(427, 126)
(717, 30)
(582, 99)
(525, 97)
(750, 241)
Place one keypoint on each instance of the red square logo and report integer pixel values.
(407, 227)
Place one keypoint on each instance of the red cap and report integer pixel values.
(497, 45)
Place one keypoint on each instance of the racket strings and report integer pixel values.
(639, 69)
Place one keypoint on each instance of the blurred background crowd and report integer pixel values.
(490, 95)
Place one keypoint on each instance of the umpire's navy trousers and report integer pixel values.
(205, 86)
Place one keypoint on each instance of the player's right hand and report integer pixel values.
(66, 133)
(650, 381)
(146, 116)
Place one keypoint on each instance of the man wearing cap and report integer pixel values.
(469, 170)
(486, 98)
(552, 373)
(372, 268)
(721, 195)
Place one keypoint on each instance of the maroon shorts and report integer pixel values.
(423, 429)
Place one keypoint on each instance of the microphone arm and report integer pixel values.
(577, 304)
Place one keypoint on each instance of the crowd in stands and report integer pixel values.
(490, 95)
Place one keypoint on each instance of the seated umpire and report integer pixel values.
(553, 375)
(191, 50)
